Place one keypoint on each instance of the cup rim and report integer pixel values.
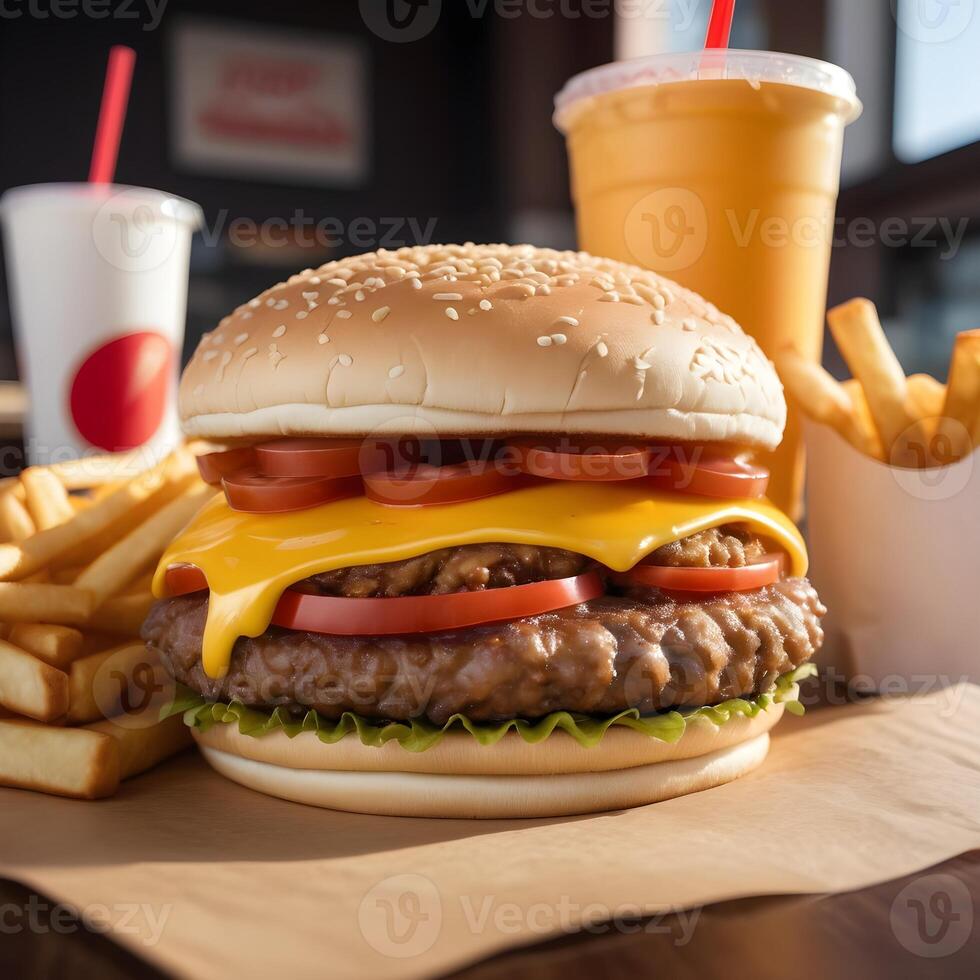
(720, 63)
(86, 196)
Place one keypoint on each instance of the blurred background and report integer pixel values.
(438, 128)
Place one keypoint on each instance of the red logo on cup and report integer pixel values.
(119, 396)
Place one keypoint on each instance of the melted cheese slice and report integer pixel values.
(250, 559)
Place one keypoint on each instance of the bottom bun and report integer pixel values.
(563, 779)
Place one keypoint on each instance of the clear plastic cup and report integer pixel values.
(719, 169)
(98, 281)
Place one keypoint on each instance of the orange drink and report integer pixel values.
(719, 169)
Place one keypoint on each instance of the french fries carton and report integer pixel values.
(895, 556)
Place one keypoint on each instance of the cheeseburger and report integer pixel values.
(489, 542)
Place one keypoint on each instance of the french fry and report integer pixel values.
(16, 523)
(927, 395)
(57, 646)
(960, 424)
(96, 683)
(141, 584)
(30, 687)
(862, 418)
(862, 341)
(47, 499)
(20, 559)
(141, 748)
(28, 602)
(122, 615)
(96, 471)
(822, 398)
(110, 572)
(73, 762)
(85, 552)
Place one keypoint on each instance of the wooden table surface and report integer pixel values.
(919, 926)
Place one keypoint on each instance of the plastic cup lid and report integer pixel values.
(683, 66)
(68, 195)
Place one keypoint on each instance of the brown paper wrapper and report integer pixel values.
(205, 878)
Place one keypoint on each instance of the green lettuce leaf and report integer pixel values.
(419, 735)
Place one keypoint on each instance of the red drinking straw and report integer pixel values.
(112, 114)
(720, 24)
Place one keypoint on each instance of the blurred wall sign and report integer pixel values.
(275, 105)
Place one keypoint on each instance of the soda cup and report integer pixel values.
(97, 276)
(719, 169)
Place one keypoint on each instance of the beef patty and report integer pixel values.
(641, 649)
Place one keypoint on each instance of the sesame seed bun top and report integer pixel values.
(481, 340)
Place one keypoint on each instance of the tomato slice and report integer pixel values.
(598, 463)
(409, 614)
(707, 475)
(184, 579)
(425, 484)
(250, 491)
(430, 613)
(309, 457)
(214, 466)
(763, 572)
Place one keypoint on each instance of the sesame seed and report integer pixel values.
(545, 341)
(251, 352)
(280, 330)
(323, 339)
(601, 349)
(641, 365)
(281, 304)
(447, 296)
(247, 315)
(570, 320)
(240, 339)
(199, 390)
(315, 280)
(337, 282)
(345, 360)
(485, 304)
(559, 338)
(451, 313)
(344, 314)
(659, 302)
(396, 372)
(255, 302)
(217, 339)
(271, 301)
(302, 314)
(658, 317)
(359, 296)
(416, 283)
(334, 301)
(379, 314)
(209, 355)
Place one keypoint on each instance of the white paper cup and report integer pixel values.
(895, 556)
(98, 282)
